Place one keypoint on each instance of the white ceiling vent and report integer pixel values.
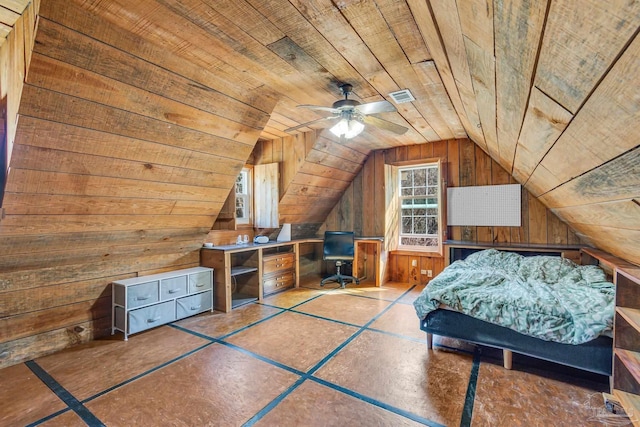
(402, 96)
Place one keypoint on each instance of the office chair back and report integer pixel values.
(338, 245)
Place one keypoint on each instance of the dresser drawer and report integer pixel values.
(199, 282)
(193, 304)
(142, 294)
(173, 287)
(278, 262)
(279, 282)
(149, 317)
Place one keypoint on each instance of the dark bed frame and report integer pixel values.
(593, 356)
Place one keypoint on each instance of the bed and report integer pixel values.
(534, 304)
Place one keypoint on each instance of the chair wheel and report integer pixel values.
(357, 281)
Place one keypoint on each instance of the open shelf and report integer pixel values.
(631, 361)
(241, 299)
(236, 271)
(631, 315)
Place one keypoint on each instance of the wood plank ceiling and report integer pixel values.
(549, 89)
(10, 11)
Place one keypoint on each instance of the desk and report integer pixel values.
(366, 255)
(241, 271)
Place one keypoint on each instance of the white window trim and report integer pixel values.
(440, 195)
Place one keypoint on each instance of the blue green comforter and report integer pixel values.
(547, 297)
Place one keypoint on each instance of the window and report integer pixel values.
(419, 207)
(243, 197)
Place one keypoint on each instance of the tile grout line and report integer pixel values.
(237, 331)
(469, 399)
(63, 394)
(376, 402)
(78, 406)
(303, 376)
(147, 372)
(309, 375)
(220, 341)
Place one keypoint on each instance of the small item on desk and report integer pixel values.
(261, 239)
(208, 245)
(239, 239)
(246, 239)
(285, 233)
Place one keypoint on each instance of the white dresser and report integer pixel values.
(145, 302)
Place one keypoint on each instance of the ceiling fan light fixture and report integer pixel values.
(347, 128)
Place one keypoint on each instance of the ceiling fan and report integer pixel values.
(352, 116)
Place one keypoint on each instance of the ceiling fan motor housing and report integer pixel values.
(344, 104)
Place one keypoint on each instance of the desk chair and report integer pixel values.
(339, 247)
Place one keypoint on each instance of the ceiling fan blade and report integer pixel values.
(311, 122)
(384, 124)
(320, 108)
(376, 107)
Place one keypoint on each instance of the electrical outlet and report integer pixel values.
(423, 272)
(429, 273)
(414, 263)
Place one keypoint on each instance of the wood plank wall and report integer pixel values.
(315, 171)
(362, 206)
(124, 154)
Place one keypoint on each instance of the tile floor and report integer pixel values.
(306, 357)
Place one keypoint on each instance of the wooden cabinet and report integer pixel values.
(144, 302)
(243, 269)
(278, 272)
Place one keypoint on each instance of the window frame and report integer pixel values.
(441, 232)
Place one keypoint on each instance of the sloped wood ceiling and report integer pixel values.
(547, 88)
(136, 116)
(10, 11)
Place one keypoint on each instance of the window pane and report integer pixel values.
(419, 241)
(432, 225)
(419, 225)
(240, 187)
(406, 179)
(406, 225)
(433, 176)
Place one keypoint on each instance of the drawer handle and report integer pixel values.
(196, 307)
(174, 291)
(199, 285)
(153, 320)
(143, 298)
(279, 265)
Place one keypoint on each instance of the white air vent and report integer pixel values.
(402, 96)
